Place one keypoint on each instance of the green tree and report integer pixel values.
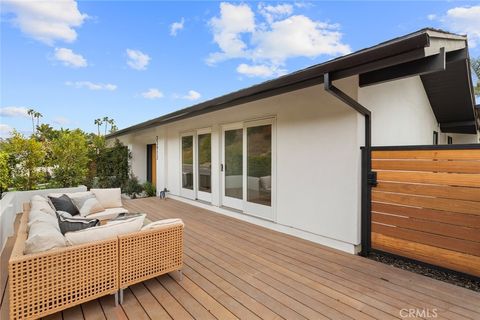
(476, 69)
(70, 156)
(113, 166)
(106, 121)
(37, 116)
(5, 177)
(27, 155)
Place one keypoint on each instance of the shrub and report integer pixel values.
(150, 189)
(112, 166)
(132, 187)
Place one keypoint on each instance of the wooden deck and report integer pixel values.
(234, 269)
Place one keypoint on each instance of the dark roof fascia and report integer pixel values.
(407, 47)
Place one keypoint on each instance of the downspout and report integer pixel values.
(368, 178)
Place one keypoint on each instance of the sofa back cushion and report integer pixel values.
(64, 203)
(107, 231)
(163, 224)
(87, 204)
(42, 204)
(108, 198)
(37, 215)
(42, 236)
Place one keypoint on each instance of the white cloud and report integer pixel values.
(137, 60)
(91, 85)
(152, 93)
(62, 121)
(228, 28)
(262, 70)
(275, 12)
(192, 95)
(46, 21)
(70, 58)
(5, 130)
(432, 17)
(176, 26)
(270, 43)
(464, 20)
(12, 112)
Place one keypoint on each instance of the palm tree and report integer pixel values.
(106, 120)
(98, 122)
(31, 113)
(38, 115)
(476, 69)
(112, 124)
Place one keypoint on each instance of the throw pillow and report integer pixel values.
(64, 203)
(108, 198)
(87, 204)
(75, 224)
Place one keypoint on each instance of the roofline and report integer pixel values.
(302, 78)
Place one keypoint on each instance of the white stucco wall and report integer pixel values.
(318, 160)
(401, 112)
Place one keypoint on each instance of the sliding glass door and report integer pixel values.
(248, 171)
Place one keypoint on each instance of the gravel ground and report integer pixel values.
(442, 275)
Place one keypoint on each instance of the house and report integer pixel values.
(286, 153)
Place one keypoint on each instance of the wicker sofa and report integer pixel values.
(44, 283)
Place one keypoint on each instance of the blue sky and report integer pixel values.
(132, 61)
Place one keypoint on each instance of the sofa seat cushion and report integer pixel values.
(40, 203)
(108, 198)
(64, 203)
(107, 231)
(163, 224)
(107, 214)
(42, 236)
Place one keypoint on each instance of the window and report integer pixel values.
(450, 140)
(435, 137)
(187, 162)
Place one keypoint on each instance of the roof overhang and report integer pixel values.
(435, 55)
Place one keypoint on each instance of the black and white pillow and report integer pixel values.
(74, 224)
(64, 203)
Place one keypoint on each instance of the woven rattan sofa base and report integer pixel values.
(147, 254)
(44, 283)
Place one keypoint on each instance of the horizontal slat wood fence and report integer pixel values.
(426, 205)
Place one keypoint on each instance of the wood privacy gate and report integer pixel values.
(426, 205)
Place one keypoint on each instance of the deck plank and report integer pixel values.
(237, 270)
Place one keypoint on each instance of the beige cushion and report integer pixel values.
(42, 237)
(37, 215)
(39, 203)
(87, 204)
(107, 231)
(107, 214)
(163, 224)
(108, 198)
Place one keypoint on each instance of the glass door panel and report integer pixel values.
(233, 168)
(259, 165)
(187, 166)
(204, 163)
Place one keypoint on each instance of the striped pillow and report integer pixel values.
(75, 224)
